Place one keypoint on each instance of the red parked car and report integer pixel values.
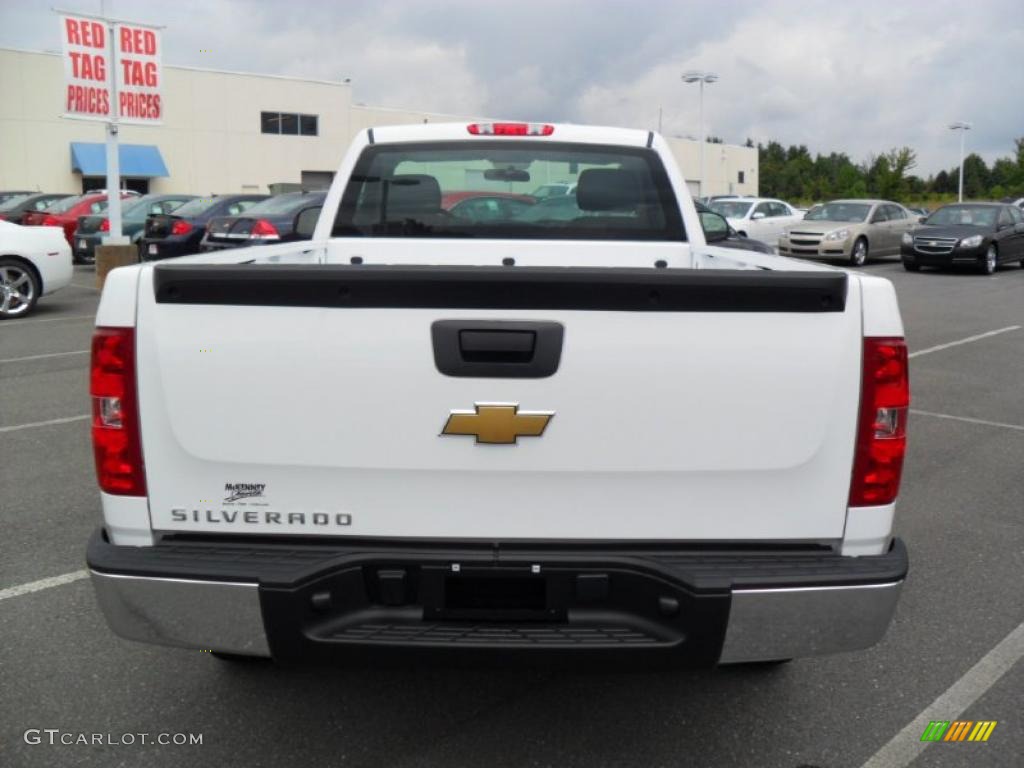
(64, 213)
(479, 205)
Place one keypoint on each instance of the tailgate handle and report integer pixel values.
(496, 348)
(482, 346)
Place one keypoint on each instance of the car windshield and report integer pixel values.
(964, 215)
(622, 193)
(136, 210)
(550, 190)
(561, 208)
(731, 209)
(851, 212)
(489, 208)
(12, 202)
(196, 207)
(283, 204)
(65, 204)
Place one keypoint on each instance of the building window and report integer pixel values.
(270, 122)
(740, 176)
(289, 124)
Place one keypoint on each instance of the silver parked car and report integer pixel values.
(851, 230)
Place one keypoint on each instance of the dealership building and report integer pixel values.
(232, 132)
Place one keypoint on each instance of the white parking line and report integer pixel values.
(32, 425)
(19, 323)
(35, 586)
(968, 340)
(43, 357)
(967, 419)
(906, 745)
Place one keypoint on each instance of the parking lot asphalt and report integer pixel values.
(961, 513)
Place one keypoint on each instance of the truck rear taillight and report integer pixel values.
(263, 230)
(105, 225)
(882, 425)
(115, 413)
(510, 129)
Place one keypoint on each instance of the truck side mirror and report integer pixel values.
(757, 216)
(715, 227)
(305, 222)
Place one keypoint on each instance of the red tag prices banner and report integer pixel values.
(87, 68)
(98, 55)
(139, 76)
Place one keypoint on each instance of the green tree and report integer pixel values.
(901, 160)
(976, 177)
(943, 183)
(792, 173)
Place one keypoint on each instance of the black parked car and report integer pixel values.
(14, 209)
(179, 233)
(92, 229)
(982, 235)
(271, 221)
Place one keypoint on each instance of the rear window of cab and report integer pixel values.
(410, 190)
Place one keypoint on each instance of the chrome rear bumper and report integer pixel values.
(766, 624)
(763, 624)
(208, 615)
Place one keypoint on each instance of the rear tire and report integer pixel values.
(19, 288)
(859, 253)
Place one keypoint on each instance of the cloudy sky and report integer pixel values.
(855, 77)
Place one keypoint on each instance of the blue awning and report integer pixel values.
(139, 160)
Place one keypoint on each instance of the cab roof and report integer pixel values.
(562, 132)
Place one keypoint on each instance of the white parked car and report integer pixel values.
(34, 262)
(757, 217)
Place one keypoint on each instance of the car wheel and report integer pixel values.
(859, 254)
(19, 288)
(911, 267)
(988, 267)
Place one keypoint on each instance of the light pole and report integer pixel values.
(695, 76)
(963, 128)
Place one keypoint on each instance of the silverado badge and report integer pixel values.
(497, 423)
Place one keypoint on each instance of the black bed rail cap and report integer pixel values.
(475, 287)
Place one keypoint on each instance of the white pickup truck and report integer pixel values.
(581, 431)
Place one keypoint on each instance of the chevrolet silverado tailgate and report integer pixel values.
(579, 403)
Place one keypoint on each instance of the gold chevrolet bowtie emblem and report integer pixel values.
(497, 423)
